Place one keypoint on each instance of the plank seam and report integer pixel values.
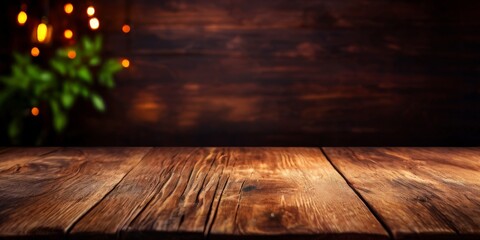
(370, 207)
(72, 225)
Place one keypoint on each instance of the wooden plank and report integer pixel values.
(230, 193)
(182, 206)
(13, 155)
(281, 192)
(321, 14)
(417, 192)
(44, 195)
(291, 71)
(117, 210)
(279, 111)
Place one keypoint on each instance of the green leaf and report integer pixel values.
(62, 52)
(111, 66)
(75, 87)
(59, 66)
(94, 61)
(59, 117)
(98, 43)
(46, 76)
(106, 79)
(38, 90)
(84, 91)
(33, 71)
(88, 46)
(22, 59)
(98, 102)
(84, 74)
(67, 100)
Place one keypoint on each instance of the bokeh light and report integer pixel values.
(71, 54)
(68, 8)
(125, 63)
(90, 11)
(126, 28)
(22, 18)
(68, 34)
(35, 111)
(94, 23)
(35, 52)
(42, 32)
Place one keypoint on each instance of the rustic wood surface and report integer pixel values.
(44, 192)
(417, 191)
(239, 193)
(304, 72)
(290, 191)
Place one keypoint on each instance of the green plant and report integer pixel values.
(71, 73)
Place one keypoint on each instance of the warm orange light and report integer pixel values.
(42, 32)
(126, 28)
(94, 23)
(72, 54)
(35, 111)
(68, 8)
(125, 63)
(22, 18)
(90, 11)
(68, 34)
(35, 51)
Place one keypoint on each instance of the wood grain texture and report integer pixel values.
(45, 192)
(417, 192)
(282, 72)
(182, 208)
(162, 166)
(194, 193)
(239, 193)
(290, 192)
(289, 73)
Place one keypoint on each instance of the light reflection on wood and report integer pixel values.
(147, 107)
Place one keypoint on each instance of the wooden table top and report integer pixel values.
(240, 193)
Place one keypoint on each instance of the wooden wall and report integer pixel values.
(285, 72)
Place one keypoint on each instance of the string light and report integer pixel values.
(68, 34)
(42, 32)
(126, 28)
(68, 8)
(72, 54)
(35, 52)
(22, 18)
(90, 11)
(94, 23)
(35, 111)
(125, 63)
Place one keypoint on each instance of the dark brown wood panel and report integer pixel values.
(44, 192)
(417, 192)
(294, 73)
(280, 72)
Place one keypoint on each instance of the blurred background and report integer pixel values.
(240, 73)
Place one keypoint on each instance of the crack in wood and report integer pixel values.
(70, 227)
(359, 195)
(241, 193)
